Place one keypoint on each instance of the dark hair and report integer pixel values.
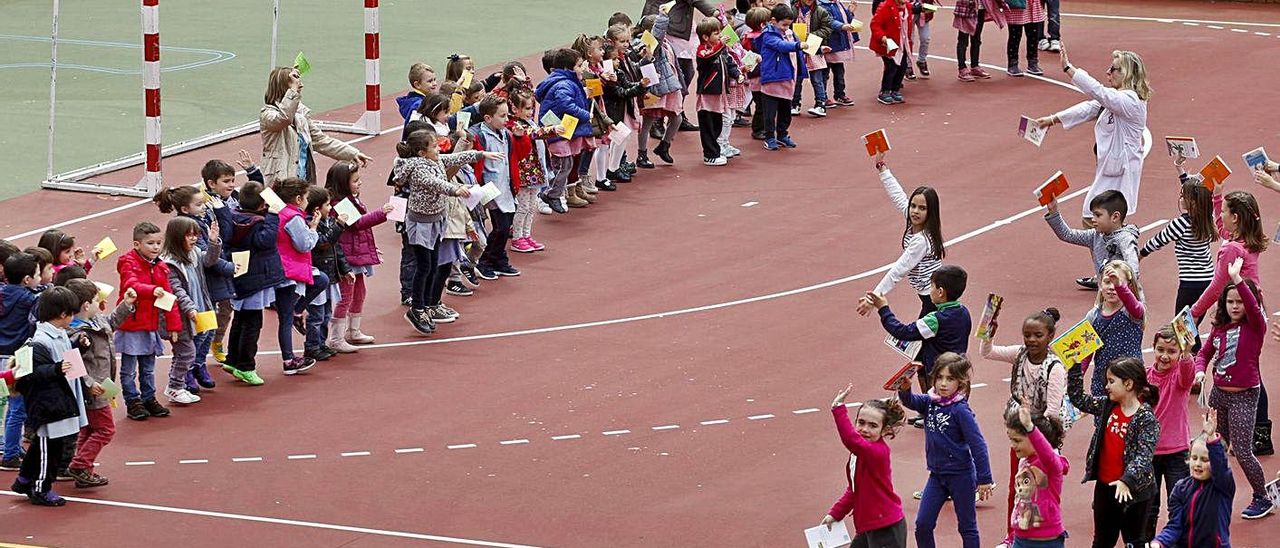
(448, 87)
(565, 58)
(432, 104)
(6, 249)
(290, 188)
(1200, 209)
(893, 414)
(84, 289)
(547, 57)
(1048, 318)
(316, 198)
(619, 18)
(216, 169)
(68, 273)
(55, 242)
(1220, 315)
(782, 12)
(18, 266)
(55, 303)
(1128, 368)
(646, 23)
(582, 44)
(174, 198)
(338, 180)
(147, 228)
(957, 365)
(709, 26)
(474, 88)
(251, 197)
(416, 142)
(520, 97)
(490, 104)
(42, 255)
(1164, 333)
(1249, 228)
(932, 221)
(1110, 201)
(952, 279)
(1050, 427)
(175, 238)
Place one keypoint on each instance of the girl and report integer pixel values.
(186, 262)
(434, 110)
(139, 338)
(717, 71)
(922, 33)
(1200, 505)
(288, 135)
(529, 160)
(668, 105)
(1234, 346)
(361, 251)
(1119, 318)
(1038, 382)
(777, 46)
(1119, 459)
(295, 238)
(840, 44)
(421, 167)
(1037, 520)
(191, 203)
(1025, 20)
(922, 245)
(954, 448)
(458, 64)
(65, 253)
(592, 49)
(326, 258)
(1173, 373)
(621, 97)
(755, 20)
(818, 21)
(892, 22)
(970, 16)
(1191, 234)
(254, 230)
(877, 511)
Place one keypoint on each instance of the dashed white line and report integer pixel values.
(1263, 33)
(667, 427)
(356, 454)
(1214, 27)
(513, 442)
(978, 385)
(246, 459)
(717, 421)
(750, 204)
(567, 437)
(140, 463)
(194, 461)
(616, 432)
(806, 411)
(300, 457)
(1007, 379)
(1190, 24)
(410, 450)
(760, 417)
(1239, 30)
(462, 446)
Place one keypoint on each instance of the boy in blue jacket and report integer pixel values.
(778, 47)
(562, 93)
(422, 82)
(17, 300)
(1200, 504)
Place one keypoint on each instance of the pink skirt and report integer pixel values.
(669, 103)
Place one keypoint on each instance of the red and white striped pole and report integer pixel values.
(371, 120)
(151, 92)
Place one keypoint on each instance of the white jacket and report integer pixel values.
(1121, 122)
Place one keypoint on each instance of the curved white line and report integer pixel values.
(215, 56)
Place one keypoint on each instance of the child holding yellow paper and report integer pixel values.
(65, 253)
(562, 94)
(187, 264)
(91, 332)
(139, 338)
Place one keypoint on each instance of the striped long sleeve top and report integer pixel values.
(918, 260)
(1195, 257)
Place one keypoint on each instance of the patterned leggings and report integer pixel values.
(1236, 417)
(526, 207)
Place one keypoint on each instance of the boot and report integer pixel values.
(354, 335)
(1262, 439)
(572, 199)
(219, 354)
(585, 194)
(588, 185)
(338, 333)
(192, 387)
(202, 376)
(642, 160)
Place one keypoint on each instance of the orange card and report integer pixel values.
(1052, 188)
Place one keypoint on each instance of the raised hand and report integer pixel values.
(840, 396)
(1234, 269)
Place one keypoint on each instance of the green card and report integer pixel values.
(300, 62)
(729, 36)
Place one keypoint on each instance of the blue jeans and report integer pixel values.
(817, 79)
(203, 342)
(135, 371)
(286, 299)
(14, 418)
(837, 79)
(960, 488)
(1054, 543)
(318, 316)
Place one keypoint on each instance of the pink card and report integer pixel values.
(74, 358)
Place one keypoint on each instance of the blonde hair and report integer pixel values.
(277, 85)
(1126, 272)
(418, 71)
(1132, 73)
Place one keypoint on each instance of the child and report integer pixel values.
(91, 332)
(877, 511)
(220, 183)
(562, 93)
(295, 238)
(1191, 234)
(6, 250)
(44, 264)
(946, 329)
(1234, 347)
(776, 46)
(139, 338)
(1119, 317)
(422, 82)
(1124, 441)
(1025, 20)
(922, 245)
(716, 72)
(840, 44)
(1200, 505)
(892, 22)
(1173, 373)
(667, 107)
(970, 16)
(253, 229)
(62, 247)
(921, 34)
(1110, 239)
(459, 63)
(620, 97)
(818, 21)
(361, 252)
(190, 203)
(1036, 521)
(502, 210)
(55, 404)
(592, 49)
(529, 165)
(328, 259)
(19, 294)
(954, 448)
(757, 17)
(187, 263)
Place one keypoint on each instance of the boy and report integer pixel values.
(493, 136)
(943, 330)
(1109, 240)
(55, 404)
(44, 264)
(716, 72)
(422, 80)
(561, 92)
(17, 299)
(6, 249)
(220, 182)
(91, 332)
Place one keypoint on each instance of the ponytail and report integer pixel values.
(173, 199)
(416, 142)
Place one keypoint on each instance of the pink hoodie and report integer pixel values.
(1171, 411)
(1048, 499)
(870, 494)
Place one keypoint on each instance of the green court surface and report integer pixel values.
(215, 58)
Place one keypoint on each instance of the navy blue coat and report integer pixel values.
(256, 234)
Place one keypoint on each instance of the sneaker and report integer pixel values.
(438, 315)
(742, 121)
(795, 111)
(977, 72)
(1014, 71)
(544, 209)
(552, 203)
(520, 245)
(537, 246)
(86, 479)
(1055, 45)
(250, 378)
(218, 354)
(457, 289)
(717, 161)
(298, 365)
(758, 135)
(181, 396)
(508, 270)
(420, 321)
(1087, 282)
(154, 408)
(897, 98)
(11, 465)
(911, 73)
(818, 112)
(300, 324)
(924, 68)
(786, 141)
(486, 273)
(136, 411)
(203, 378)
(830, 104)
(469, 274)
(1034, 69)
(1258, 509)
(450, 311)
(47, 498)
(318, 354)
(771, 144)
(844, 101)
(887, 98)
(406, 300)
(964, 75)
(21, 485)
(730, 151)
(64, 475)
(917, 495)
(1043, 44)
(686, 125)
(606, 185)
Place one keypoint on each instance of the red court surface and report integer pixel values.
(661, 375)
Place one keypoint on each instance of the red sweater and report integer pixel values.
(888, 21)
(870, 494)
(144, 277)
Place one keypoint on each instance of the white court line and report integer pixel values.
(567, 437)
(760, 417)
(1263, 33)
(616, 432)
(139, 463)
(854, 404)
(667, 427)
(246, 459)
(290, 522)
(1238, 30)
(1190, 24)
(462, 446)
(805, 411)
(410, 450)
(1215, 27)
(513, 442)
(717, 421)
(1161, 222)
(979, 385)
(356, 454)
(301, 457)
(750, 204)
(194, 461)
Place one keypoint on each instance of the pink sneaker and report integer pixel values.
(521, 245)
(537, 246)
(977, 72)
(965, 75)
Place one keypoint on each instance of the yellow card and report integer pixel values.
(206, 321)
(649, 41)
(166, 301)
(466, 79)
(104, 291)
(274, 203)
(241, 260)
(570, 123)
(105, 248)
(801, 30)
(595, 87)
(455, 103)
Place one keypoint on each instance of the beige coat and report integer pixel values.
(279, 125)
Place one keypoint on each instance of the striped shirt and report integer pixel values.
(918, 260)
(1195, 260)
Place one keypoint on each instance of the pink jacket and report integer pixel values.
(1047, 498)
(874, 503)
(297, 264)
(1175, 386)
(357, 239)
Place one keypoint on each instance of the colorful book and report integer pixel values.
(819, 537)
(166, 300)
(1185, 329)
(750, 60)
(649, 42)
(462, 120)
(1051, 189)
(77, 368)
(1182, 145)
(1215, 172)
(302, 64)
(876, 142)
(1076, 344)
(1255, 159)
(550, 119)
(906, 372)
(1028, 129)
(24, 363)
(908, 349)
(206, 321)
(467, 76)
(399, 208)
(990, 313)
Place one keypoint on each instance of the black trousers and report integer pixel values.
(1032, 31)
(757, 113)
(246, 327)
(426, 272)
(407, 265)
(42, 461)
(495, 252)
(1112, 520)
(972, 43)
(1188, 293)
(777, 116)
(894, 72)
(709, 126)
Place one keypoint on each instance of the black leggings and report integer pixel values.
(1112, 519)
(894, 72)
(246, 327)
(1188, 293)
(428, 276)
(971, 42)
(1033, 39)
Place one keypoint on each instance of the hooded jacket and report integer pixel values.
(562, 93)
(357, 241)
(716, 70)
(256, 234)
(16, 303)
(777, 56)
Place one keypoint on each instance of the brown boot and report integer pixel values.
(585, 194)
(572, 199)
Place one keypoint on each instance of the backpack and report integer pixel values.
(1068, 414)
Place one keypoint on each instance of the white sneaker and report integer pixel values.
(818, 112)
(181, 396)
(717, 161)
(795, 111)
(1043, 45)
(729, 151)
(544, 209)
(1055, 45)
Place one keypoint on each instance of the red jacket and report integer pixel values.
(889, 20)
(144, 277)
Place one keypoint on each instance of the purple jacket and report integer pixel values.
(357, 239)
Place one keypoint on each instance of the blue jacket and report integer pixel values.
(944, 330)
(219, 276)
(953, 444)
(257, 235)
(562, 93)
(777, 56)
(1193, 503)
(839, 40)
(16, 303)
(408, 103)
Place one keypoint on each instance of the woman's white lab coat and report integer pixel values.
(1121, 121)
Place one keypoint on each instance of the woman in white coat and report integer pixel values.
(1119, 110)
(289, 139)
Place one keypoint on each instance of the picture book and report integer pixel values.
(876, 142)
(1215, 172)
(570, 124)
(1255, 158)
(906, 372)
(550, 119)
(302, 64)
(1076, 344)
(1051, 189)
(24, 362)
(1030, 131)
(858, 25)
(750, 60)
(77, 369)
(908, 349)
(1182, 145)
(990, 313)
(649, 41)
(206, 321)
(890, 46)
(399, 208)
(462, 120)
(595, 87)
(1185, 329)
